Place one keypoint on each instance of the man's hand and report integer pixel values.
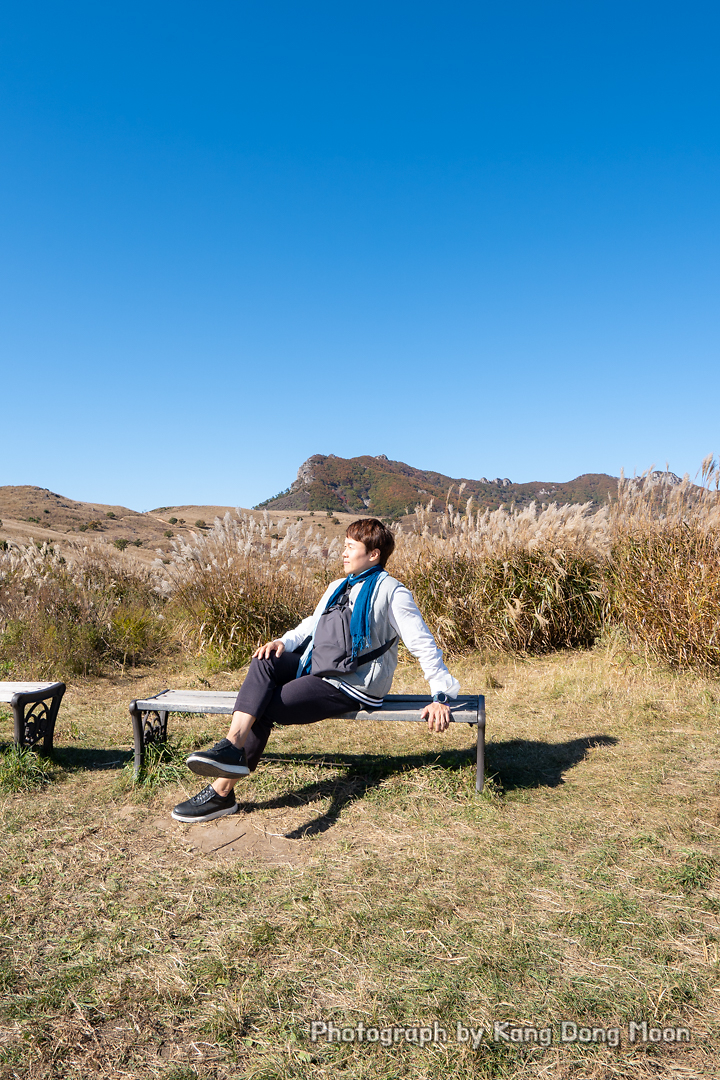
(437, 715)
(263, 653)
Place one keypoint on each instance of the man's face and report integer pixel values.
(356, 558)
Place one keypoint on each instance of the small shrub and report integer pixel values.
(111, 515)
(137, 543)
(22, 770)
(163, 764)
(35, 520)
(121, 543)
(51, 643)
(230, 611)
(169, 533)
(135, 633)
(200, 524)
(173, 520)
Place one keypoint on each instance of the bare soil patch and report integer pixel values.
(236, 837)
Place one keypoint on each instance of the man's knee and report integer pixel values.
(265, 664)
(277, 669)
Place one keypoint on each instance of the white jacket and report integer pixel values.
(394, 612)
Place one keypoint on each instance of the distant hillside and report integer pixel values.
(384, 488)
(30, 513)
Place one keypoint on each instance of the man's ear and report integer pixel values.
(375, 554)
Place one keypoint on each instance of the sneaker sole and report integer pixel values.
(206, 817)
(203, 766)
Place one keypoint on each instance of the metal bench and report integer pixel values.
(35, 707)
(150, 717)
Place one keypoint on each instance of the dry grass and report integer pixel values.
(554, 577)
(367, 881)
(246, 582)
(491, 533)
(364, 880)
(71, 614)
(664, 576)
(525, 582)
(527, 601)
(528, 581)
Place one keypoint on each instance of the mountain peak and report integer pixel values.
(385, 488)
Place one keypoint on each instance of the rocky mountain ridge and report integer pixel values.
(388, 488)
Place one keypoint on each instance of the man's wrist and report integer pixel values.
(440, 698)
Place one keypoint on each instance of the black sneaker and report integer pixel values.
(222, 759)
(205, 806)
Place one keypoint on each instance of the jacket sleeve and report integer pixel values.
(292, 638)
(406, 619)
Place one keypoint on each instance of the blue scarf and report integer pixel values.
(361, 613)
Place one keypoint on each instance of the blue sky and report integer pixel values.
(480, 238)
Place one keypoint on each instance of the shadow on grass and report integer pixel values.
(520, 763)
(77, 758)
(527, 763)
(364, 772)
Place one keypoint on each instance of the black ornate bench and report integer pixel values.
(150, 717)
(35, 707)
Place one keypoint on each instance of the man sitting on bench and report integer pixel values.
(343, 654)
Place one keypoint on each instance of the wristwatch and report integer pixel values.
(441, 698)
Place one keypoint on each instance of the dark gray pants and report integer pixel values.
(273, 694)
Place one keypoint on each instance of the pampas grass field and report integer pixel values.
(364, 881)
(529, 582)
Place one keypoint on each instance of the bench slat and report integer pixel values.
(197, 701)
(460, 715)
(397, 706)
(9, 689)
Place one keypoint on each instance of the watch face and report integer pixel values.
(441, 698)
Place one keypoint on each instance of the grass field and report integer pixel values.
(364, 881)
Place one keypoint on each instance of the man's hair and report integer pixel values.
(373, 534)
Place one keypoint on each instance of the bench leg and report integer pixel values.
(480, 772)
(34, 719)
(52, 717)
(148, 727)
